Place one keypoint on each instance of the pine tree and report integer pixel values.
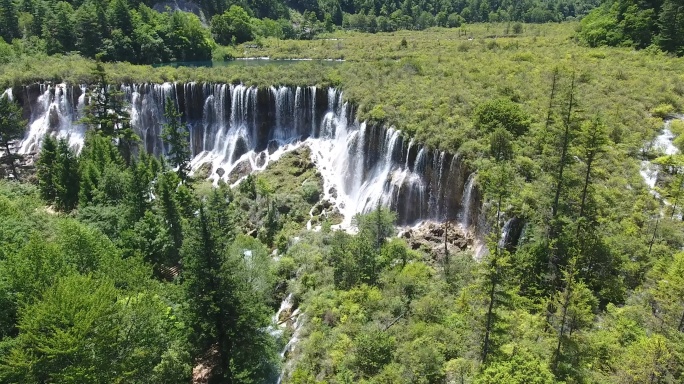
(575, 311)
(201, 273)
(59, 28)
(89, 35)
(560, 160)
(227, 298)
(170, 211)
(176, 137)
(138, 191)
(98, 154)
(106, 114)
(671, 26)
(12, 128)
(46, 169)
(9, 21)
(592, 140)
(66, 177)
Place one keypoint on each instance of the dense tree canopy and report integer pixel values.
(637, 24)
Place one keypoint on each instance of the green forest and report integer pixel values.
(118, 265)
(136, 32)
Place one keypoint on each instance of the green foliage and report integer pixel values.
(66, 176)
(501, 113)
(46, 169)
(520, 368)
(635, 24)
(229, 284)
(11, 129)
(232, 27)
(176, 137)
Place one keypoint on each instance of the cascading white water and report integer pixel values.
(53, 112)
(466, 201)
(663, 143)
(240, 129)
(8, 93)
(504, 233)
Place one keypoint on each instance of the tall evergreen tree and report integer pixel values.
(59, 29)
(9, 21)
(106, 114)
(45, 165)
(228, 303)
(66, 177)
(175, 136)
(12, 128)
(89, 35)
(138, 192)
(671, 25)
(170, 211)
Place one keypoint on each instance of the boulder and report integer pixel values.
(240, 170)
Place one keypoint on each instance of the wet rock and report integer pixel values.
(272, 147)
(261, 159)
(240, 170)
(333, 192)
(53, 119)
(220, 172)
(203, 171)
(326, 204)
(241, 148)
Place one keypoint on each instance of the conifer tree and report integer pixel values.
(575, 305)
(227, 298)
(138, 191)
(97, 155)
(170, 212)
(176, 137)
(12, 128)
(66, 177)
(46, 169)
(106, 114)
(9, 21)
(497, 182)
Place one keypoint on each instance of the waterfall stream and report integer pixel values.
(235, 127)
(663, 143)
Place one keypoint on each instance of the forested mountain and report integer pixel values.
(636, 24)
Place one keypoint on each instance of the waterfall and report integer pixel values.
(466, 201)
(236, 129)
(53, 111)
(511, 233)
(8, 93)
(504, 240)
(663, 143)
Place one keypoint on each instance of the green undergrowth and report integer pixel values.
(295, 184)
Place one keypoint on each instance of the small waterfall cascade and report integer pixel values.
(663, 144)
(55, 109)
(236, 129)
(511, 233)
(466, 202)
